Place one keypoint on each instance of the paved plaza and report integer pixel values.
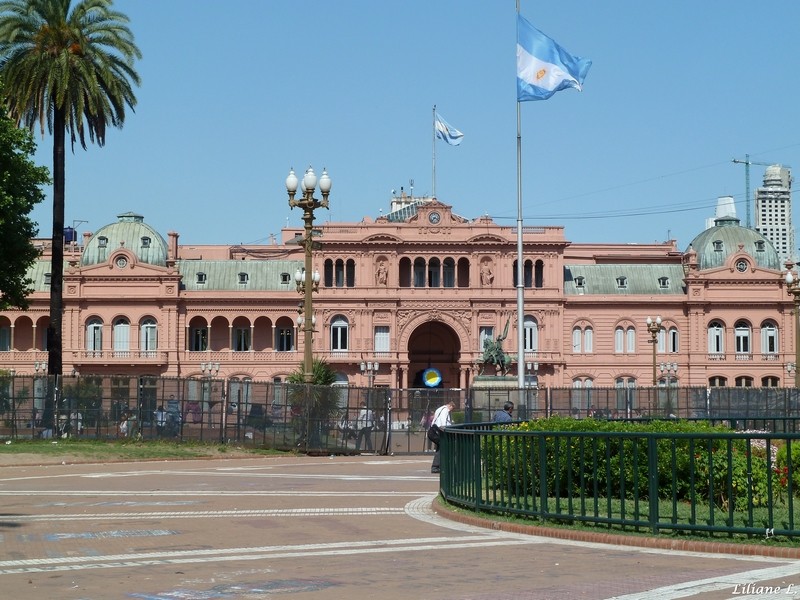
(314, 528)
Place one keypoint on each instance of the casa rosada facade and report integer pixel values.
(419, 287)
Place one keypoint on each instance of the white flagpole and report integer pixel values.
(433, 144)
(520, 268)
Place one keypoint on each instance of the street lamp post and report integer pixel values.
(209, 370)
(370, 369)
(40, 370)
(654, 327)
(307, 283)
(531, 389)
(670, 372)
(793, 289)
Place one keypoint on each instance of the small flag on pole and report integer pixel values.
(447, 132)
(544, 67)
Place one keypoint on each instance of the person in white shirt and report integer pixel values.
(365, 423)
(441, 419)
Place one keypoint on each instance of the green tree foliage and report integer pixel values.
(71, 68)
(21, 184)
(315, 405)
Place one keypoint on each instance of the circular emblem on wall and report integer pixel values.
(122, 262)
(741, 266)
(434, 217)
(431, 377)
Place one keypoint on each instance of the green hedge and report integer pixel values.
(689, 469)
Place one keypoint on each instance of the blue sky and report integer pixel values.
(235, 93)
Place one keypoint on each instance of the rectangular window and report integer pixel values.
(486, 333)
(285, 341)
(5, 339)
(381, 338)
(199, 339)
(241, 339)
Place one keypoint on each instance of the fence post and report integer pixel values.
(652, 472)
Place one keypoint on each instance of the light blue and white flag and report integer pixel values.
(544, 67)
(447, 132)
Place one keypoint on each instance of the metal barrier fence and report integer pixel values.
(712, 483)
(279, 415)
(308, 418)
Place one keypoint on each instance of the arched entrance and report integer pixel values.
(434, 345)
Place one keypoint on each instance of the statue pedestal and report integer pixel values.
(490, 392)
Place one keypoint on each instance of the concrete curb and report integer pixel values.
(614, 539)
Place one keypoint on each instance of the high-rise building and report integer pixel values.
(774, 211)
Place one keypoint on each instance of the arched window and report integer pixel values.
(528, 273)
(241, 339)
(716, 338)
(5, 338)
(531, 331)
(673, 340)
(744, 381)
(581, 396)
(619, 340)
(121, 336)
(582, 339)
(630, 340)
(339, 331)
(742, 332)
(577, 338)
(627, 399)
(339, 273)
(449, 273)
(94, 335)
(770, 382)
(148, 336)
(538, 274)
(405, 272)
(434, 273)
(769, 338)
(419, 272)
(350, 273)
(284, 339)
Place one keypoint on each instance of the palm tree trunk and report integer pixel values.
(54, 332)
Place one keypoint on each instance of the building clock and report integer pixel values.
(434, 217)
(122, 262)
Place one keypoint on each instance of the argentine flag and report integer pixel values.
(544, 67)
(447, 132)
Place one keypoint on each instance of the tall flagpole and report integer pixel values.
(433, 153)
(520, 269)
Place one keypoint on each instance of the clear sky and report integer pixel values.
(234, 93)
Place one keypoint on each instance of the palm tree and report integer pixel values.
(71, 68)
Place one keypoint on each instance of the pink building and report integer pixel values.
(417, 288)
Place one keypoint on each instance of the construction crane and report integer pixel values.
(747, 162)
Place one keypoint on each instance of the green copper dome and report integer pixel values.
(716, 244)
(131, 232)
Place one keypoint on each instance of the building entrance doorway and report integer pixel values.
(434, 345)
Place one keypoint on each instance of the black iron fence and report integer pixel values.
(325, 419)
(735, 484)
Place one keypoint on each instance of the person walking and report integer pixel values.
(161, 420)
(504, 416)
(365, 422)
(441, 420)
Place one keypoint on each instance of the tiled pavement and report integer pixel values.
(315, 527)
